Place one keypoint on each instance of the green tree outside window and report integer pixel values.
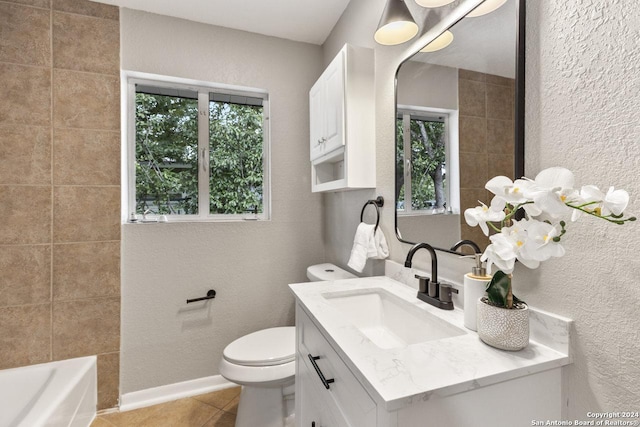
(167, 156)
(427, 159)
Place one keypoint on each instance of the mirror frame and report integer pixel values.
(519, 105)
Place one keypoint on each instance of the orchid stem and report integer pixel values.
(493, 227)
(593, 213)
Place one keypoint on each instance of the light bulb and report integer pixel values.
(487, 7)
(396, 32)
(433, 3)
(440, 42)
(396, 24)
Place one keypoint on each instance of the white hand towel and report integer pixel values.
(378, 248)
(361, 242)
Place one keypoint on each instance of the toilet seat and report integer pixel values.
(264, 358)
(259, 376)
(268, 347)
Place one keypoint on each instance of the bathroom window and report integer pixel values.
(199, 153)
(421, 162)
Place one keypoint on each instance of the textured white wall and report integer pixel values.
(249, 264)
(582, 112)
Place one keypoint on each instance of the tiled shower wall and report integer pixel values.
(60, 185)
(487, 134)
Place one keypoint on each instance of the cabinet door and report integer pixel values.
(335, 100)
(326, 110)
(317, 119)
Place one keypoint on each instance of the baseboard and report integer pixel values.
(166, 393)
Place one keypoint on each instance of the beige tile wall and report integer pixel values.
(60, 185)
(486, 139)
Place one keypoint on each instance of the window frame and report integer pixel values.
(129, 81)
(449, 117)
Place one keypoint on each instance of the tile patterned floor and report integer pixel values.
(216, 409)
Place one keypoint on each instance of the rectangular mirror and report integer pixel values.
(459, 122)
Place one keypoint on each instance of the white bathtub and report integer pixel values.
(52, 394)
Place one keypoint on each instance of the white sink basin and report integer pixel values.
(389, 321)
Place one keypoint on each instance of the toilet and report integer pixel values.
(264, 364)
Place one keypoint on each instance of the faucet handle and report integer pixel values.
(423, 283)
(446, 291)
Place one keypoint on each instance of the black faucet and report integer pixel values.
(429, 291)
(434, 259)
(470, 243)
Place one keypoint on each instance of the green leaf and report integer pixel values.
(499, 288)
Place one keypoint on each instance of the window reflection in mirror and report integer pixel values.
(421, 156)
(469, 90)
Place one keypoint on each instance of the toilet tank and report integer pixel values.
(327, 271)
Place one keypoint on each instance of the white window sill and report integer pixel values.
(174, 220)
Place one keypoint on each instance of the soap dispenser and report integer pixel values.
(475, 285)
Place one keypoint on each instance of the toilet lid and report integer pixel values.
(267, 347)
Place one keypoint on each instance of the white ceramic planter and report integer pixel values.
(506, 329)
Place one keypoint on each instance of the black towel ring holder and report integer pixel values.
(378, 203)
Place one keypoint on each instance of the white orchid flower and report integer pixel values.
(511, 192)
(551, 189)
(540, 244)
(481, 214)
(491, 256)
(506, 189)
(589, 195)
(614, 202)
(505, 247)
(552, 193)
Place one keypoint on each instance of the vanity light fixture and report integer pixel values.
(396, 24)
(487, 7)
(433, 3)
(440, 42)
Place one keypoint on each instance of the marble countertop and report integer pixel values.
(400, 377)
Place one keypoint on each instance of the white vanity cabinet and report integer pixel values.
(518, 400)
(345, 402)
(341, 109)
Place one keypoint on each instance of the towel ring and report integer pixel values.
(378, 203)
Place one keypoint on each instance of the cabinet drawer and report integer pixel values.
(346, 391)
(316, 406)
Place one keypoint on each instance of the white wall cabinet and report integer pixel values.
(326, 107)
(346, 403)
(342, 134)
